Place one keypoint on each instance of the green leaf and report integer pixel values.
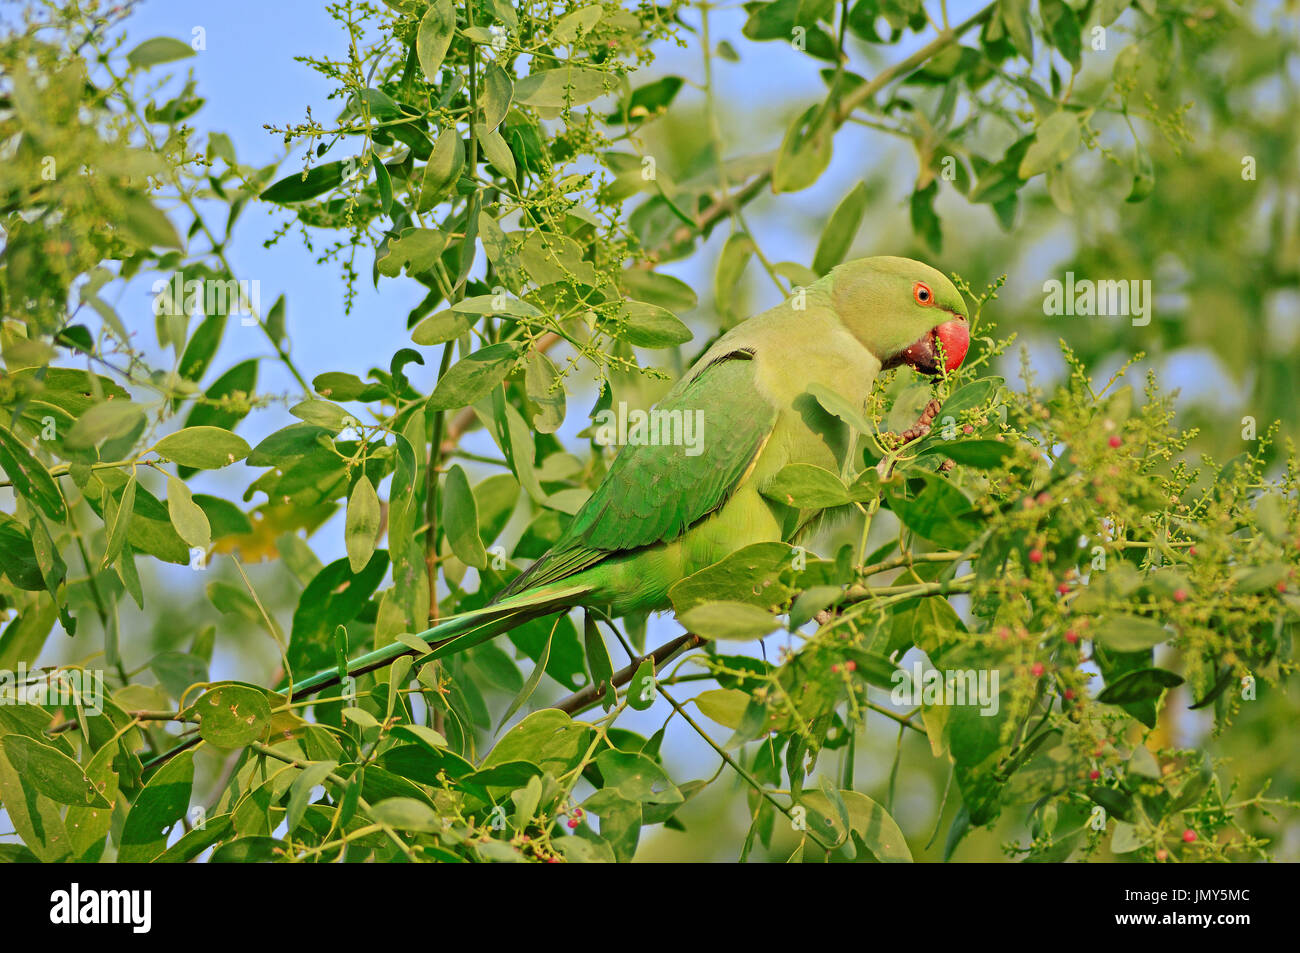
(287, 444)
(242, 378)
(1015, 17)
(925, 220)
(648, 101)
(726, 706)
(301, 186)
(735, 255)
(1144, 174)
(534, 678)
(1055, 140)
(89, 825)
(1108, 11)
(187, 517)
(752, 574)
(839, 406)
(444, 168)
(178, 672)
(1122, 632)
(1063, 29)
(545, 388)
(202, 347)
(416, 250)
(29, 476)
(26, 634)
(599, 664)
(441, 327)
(406, 814)
(384, 182)
(805, 486)
(658, 289)
(473, 377)
(641, 690)
(160, 49)
(648, 325)
(362, 524)
(805, 152)
(160, 804)
(728, 620)
(1143, 684)
(940, 512)
(341, 385)
(232, 716)
(554, 88)
(981, 454)
(51, 772)
(460, 519)
(837, 237)
(117, 522)
(437, 27)
(570, 26)
(151, 526)
(322, 413)
(969, 396)
(632, 776)
(312, 776)
(106, 421)
(203, 448)
(333, 598)
(497, 152)
(548, 738)
(495, 96)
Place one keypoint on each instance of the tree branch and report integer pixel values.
(581, 700)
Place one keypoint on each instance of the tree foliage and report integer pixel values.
(510, 161)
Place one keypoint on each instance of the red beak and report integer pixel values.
(923, 356)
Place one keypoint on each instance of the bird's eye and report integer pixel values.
(922, 293)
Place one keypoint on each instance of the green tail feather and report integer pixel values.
(455, 634)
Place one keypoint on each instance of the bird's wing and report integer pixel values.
(653, 494)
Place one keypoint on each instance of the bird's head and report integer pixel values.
(903, 311)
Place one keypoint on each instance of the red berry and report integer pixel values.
(1162, 855)
(850, 666)
(1044, 498)
(1063, 588)
(1035, 555)
(1180, 595)
(1189, 836)
(1071, 636)
(573, 822)
(1281, 586)
(1037, 669)
(1191, 550)
(1115, 441)
(1003, 634)
(835, 670)
(1069, 694)
(1094, 774)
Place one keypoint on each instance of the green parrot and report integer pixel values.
(662, 513)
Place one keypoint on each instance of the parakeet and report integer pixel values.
(662, 513)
